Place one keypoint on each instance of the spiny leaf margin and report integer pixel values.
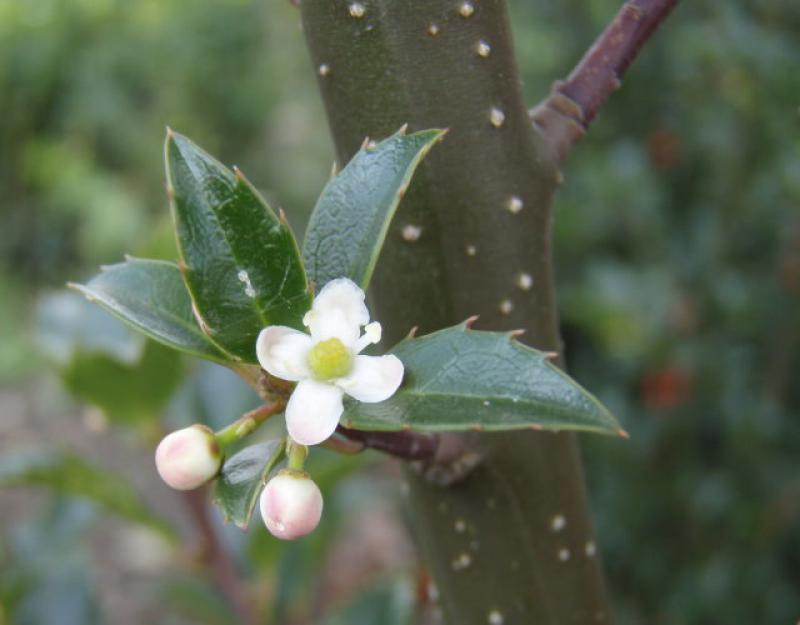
(120, 289)
(349, 223)
(239, 259)
(459, 379)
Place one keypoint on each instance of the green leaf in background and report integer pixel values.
(389, 602)
(68, 598)
(44, 577)
(67, 322)
(103, 362)
(242, 477)
(150, 296)
(196, 599)
(125, 392)
(241, 262)
(66, 473)
(462, 379)
(346, 231)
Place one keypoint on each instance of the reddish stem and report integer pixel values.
(566, 113)
(404, 445)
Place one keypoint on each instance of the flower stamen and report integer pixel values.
(329, 360)
(371, 336)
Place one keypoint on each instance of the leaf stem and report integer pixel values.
(244, 425)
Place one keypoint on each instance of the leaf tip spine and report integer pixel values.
(469, 321)
(623, 434)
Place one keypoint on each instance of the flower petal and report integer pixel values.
(338, 311)
(283, 352)
(313, 412)
(373, 378)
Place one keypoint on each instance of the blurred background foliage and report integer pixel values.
(678, 264)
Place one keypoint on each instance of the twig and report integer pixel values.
(225, 575)
(566, 113)
(404, 445)
(248, 422)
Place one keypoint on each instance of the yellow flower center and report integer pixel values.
(329, 360)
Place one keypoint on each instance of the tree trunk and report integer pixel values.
(511, 542)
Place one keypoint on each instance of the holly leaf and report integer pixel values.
(242, 477)
(240, 260)
(150, 296)
(463, 379)
(347, 229)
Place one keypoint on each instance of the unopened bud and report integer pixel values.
(291, 505)
(188, 458)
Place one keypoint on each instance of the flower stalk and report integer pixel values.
(296, 456)
(247, 423)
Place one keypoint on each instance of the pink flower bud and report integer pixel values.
(291, 505)
(188, 458)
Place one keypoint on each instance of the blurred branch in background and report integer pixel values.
(566, 113)
(217, 556)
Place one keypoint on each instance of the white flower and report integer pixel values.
(188, 458)
(291, 505)
(328, 363)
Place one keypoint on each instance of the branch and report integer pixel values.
(443, 459)
(563, 117)
(404, 445)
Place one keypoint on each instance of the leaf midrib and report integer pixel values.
(236, 262)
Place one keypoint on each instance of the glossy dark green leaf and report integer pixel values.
(348, 226)
(150, 296)
(66, 473)
(242, 477)
(461, 379)
(241, 261)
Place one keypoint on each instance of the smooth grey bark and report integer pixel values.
(512, 541)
